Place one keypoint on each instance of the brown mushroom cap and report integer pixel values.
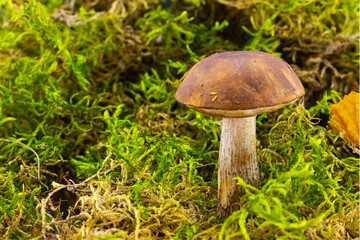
(239, 84)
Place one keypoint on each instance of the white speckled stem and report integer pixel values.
(237, 158)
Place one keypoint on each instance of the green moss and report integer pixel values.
(89, 86)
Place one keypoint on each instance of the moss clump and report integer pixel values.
(89, 86)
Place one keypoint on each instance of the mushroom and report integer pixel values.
(237, 86)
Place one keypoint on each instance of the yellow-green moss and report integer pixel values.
(89, 86)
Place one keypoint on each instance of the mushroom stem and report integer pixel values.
(237, 158)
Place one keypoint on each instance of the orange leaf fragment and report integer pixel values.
(346, 117)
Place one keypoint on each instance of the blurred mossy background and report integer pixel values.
(89, 85)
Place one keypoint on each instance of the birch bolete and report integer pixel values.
(237, 86)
